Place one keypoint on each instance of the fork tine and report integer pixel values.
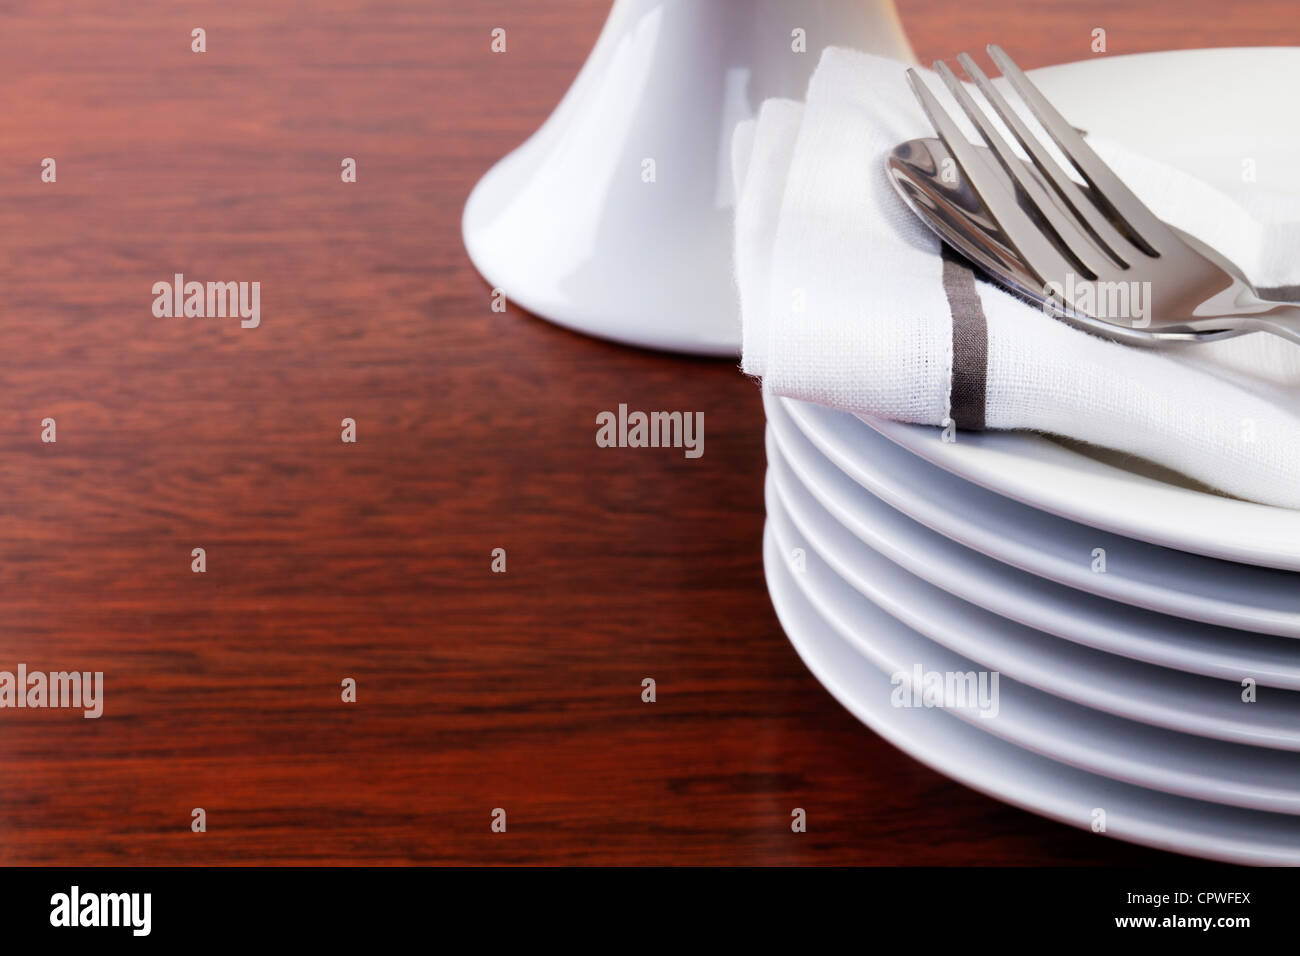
(1081, 246)
(1123, 251)
(1105, 184)
(1044, 260)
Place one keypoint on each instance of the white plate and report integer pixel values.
(1245, 98)
(1053, 478)
(1164, 105)
(1016, 776)
(1137, 573)
(1128, 689)
(1144, 756)
(1032, 601)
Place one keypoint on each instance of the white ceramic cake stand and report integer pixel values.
(615, 217)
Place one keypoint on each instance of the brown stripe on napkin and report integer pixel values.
(1280, 293)
(970, 343)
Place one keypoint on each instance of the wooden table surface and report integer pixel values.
(372, 560)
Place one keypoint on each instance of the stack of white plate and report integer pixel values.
(1143, 634)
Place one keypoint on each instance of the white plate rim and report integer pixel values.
(1051, 486)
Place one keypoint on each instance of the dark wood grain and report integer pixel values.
(371, 561)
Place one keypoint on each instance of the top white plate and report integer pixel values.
(1201, 111)
(1051, 477)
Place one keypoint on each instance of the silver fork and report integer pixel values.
(1105, 261)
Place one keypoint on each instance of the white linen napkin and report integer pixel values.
(847, 301)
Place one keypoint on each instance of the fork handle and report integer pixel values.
(1240, 309)
(1283, 319)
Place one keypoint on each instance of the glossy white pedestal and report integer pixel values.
(614, 218)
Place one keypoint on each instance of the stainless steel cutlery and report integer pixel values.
(1075, 239)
